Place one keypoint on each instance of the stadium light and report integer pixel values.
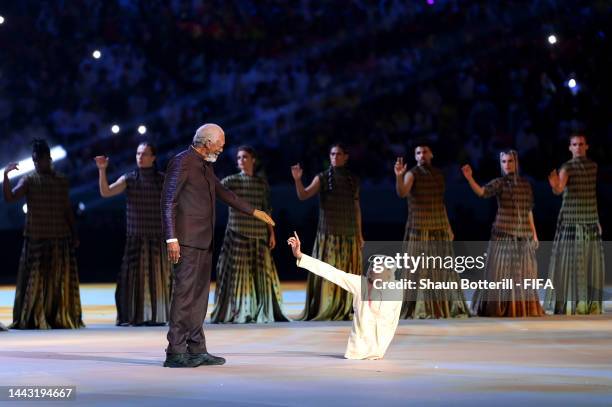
(142, 129)
(552, 39)
(1, 20)
(573, 86)
(96, 54)
(27, 165)
(115, 129)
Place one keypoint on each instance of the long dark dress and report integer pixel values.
(47, 294)
(511, 252)
(248, 289)
(427, 231)
(577, 263)
(337, 244)
(144, 282)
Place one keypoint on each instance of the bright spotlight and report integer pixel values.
(25, 208)
(115, 129)
(573, 86)
(1, 20)
(552, 39)
(142, 129)
(96, 54)
(27, 165)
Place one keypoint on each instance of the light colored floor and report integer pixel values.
(477, 361)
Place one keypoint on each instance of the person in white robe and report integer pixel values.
(376, 310)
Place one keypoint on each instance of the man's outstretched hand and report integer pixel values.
(294, 242)
(264, 217)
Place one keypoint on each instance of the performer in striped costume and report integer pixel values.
(144, 281)
(577, 262)
(511, 251)
(339, 238)
(427, 231)
(248, 289)
(47, 294)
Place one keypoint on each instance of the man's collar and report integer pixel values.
(197, 154)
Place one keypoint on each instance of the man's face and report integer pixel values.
(144, 156)
(245, 161)
(42, 163)
(214, 147)
(337, 157)
(423, 155)
(507, 163)
(578, 146)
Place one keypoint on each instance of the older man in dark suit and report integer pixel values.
(188, 211)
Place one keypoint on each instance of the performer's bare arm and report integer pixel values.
(308, 192)
(117, 187)
(467, 173)
(533, 229)
(294, 242)
(558, 181)
(347, 281)
(403, 180)
(271, 237)
(14, 194)
(450, 229)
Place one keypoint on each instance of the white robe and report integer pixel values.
(374, 321)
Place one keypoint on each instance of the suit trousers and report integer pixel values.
(191, 283)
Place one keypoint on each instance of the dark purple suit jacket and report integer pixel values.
(188, 200)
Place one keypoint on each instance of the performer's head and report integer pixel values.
(508, 161)
(381, 267)
(423, 153)
(338, 155)
(245, 159)
(41, 155)
(145, 155)
(578, 145)
(209, 140)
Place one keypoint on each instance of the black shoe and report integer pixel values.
(205, 359)
(179, 360)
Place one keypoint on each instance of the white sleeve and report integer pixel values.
(350, 282)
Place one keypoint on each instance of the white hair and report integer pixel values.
(206, 133)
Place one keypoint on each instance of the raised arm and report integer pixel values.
(558, 181)
(467, 173)
(308, 192)
(403, 180)
(347, 281)
(14, 194)
(106, 191)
